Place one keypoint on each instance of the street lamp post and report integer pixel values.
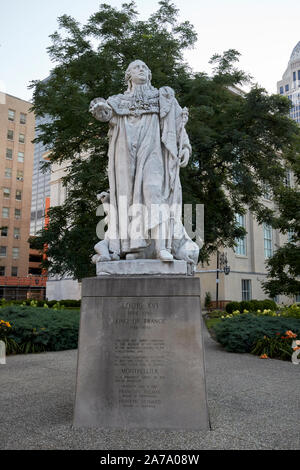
(222, 267)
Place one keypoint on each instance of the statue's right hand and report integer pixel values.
(99, 104)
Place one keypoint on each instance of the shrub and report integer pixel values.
(216, 314)
(251, 305)
(268, 304)
(241, 332)
(291, 312)
(207, 302)
(255, 305)
(232, 306)
(245, 305)
(37, 329)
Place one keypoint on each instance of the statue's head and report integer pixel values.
(138, 73)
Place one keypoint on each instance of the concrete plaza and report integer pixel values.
(253, 404)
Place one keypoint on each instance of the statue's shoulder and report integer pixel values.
(166, 92)
(119, 103)
(166, 99)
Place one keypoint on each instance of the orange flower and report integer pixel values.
(296, 348)
(264, 356)
(290, 334)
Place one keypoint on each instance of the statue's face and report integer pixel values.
(139, 72)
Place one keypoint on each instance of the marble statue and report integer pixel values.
(148, 145)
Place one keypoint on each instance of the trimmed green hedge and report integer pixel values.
(240, 333)
(40, 329)
(251, 305)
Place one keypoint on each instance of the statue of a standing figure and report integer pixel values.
(148, 144)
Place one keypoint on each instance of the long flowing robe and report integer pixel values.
(143, 169)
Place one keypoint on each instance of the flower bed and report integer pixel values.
(241, 332)
(36, 329)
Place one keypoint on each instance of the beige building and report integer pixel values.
(247, 265)
(16, 150)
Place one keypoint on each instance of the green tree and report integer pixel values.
(240, 140)
(284, 266)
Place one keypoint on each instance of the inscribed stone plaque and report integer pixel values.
(140, 362)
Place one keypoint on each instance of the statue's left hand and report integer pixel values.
(184, 157)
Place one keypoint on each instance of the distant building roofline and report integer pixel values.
(17, 98)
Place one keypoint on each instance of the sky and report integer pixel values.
(263, 31)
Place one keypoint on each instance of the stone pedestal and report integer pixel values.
(140, 359)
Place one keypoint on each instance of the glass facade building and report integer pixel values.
(40, 185)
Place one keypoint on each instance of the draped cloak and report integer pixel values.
(144, 139)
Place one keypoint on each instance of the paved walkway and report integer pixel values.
(253, 403)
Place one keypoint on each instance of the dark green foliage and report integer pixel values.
(239, 334)
(284, 266)
(279, 347)
(207, 301)
(251, 305)
(245, 305)
(39, 329)
(240, 143)
(268, 304)
(232, 307)
(255, 305)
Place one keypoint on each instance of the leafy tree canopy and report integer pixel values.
(241, 141)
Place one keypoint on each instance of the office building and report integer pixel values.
(17, 126)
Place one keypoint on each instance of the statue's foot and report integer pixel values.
(165, 255)
(103, 258)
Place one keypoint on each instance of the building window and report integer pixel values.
(14, 271)
(281, 90)
(4, 231)
(241, 242)
(21, 157)
(15, 253)
(21, 138)
(246, 289)
(287, 179)
(5, 212)
(9, 154)
(2, 270)
(23, 118)
(287, 87)
(16, 233)
(298, 298)
(18, 195)
(6, 192)
(7, 172)
(10, 134)
(20, 175)
(298, 74)
(294, 76)
(2, 251)
(11, 115)
(17, 213)
(267, 192)
(268, 250)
